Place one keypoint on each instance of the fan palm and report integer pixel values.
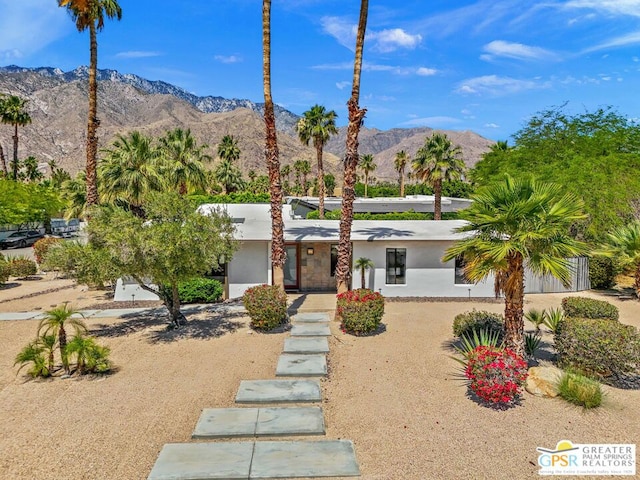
(90, 14)
(436, 161)
(90, 357)
(317, 125)
(513, 224)
(12, 112)
(400, 162)
(55, 322)
(367, 165)
(182, 160)
(363, 264)
(623, 244)
(73, 193)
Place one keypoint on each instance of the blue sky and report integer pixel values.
(485, 65)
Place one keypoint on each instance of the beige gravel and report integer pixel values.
(395, 395)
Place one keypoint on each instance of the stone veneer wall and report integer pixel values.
(315, 270)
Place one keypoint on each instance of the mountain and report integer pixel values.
(58, 106)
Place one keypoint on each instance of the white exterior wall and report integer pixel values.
(426, 275)
(248, 267)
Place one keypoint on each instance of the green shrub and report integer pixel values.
(532, 343)
(552, 319)
(475, 320)
(89, 355)
(335, 215)
(535, 316)
(583, 307)
(266, 305)
(602, 273)
(5, 270)
(86, 264)
(598, 348)
(200, 290)
(580, 390)
(41, 247)
(479, 338)
(361, 310)
(23, 267)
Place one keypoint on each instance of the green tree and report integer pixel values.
(329, 183)
(367, 165)
(436, 161)
(226, 173)
(22, 203)
(363, 264)
(31, 172)
(316, 126)
(90, 14)
(182, 160)
(623, 244)
(13, 112)
(511, 225)
(55, 322)
(73, 194)
(400, 162)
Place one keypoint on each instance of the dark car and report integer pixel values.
(22, 239)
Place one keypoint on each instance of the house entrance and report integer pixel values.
(292, 267)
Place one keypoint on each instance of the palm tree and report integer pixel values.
(31, 171)
(500, 146)
(623, 244)
(400, 163)
(367, 165)
(356, 117)
(90, 14)
(363, 264)
(228, 176)
(54, 323)
(12, 112)
(182, 160)
(278, 253)
(130, 171)
(305, 169)
(228, 149)
(437, 161)
(73, 193)
(317, 125)
(511, 225)
(297, 167)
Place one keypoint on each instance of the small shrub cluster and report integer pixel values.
(583, 307)
(468, 322)
(496, 375)
(23, 267)
(5, 270)
(86, 264)
(602, 273)
(361, 310)
(266, 305)
(41, 247)
(200, 290)
(580, 390)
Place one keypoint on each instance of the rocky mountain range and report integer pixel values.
(58, 106)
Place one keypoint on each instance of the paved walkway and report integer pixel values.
(304, 355)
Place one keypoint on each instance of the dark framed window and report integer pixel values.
(334, 259)
(396, 266)
(460, 277)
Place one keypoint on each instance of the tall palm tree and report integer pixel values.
(305, 170)
(367, 165)
(363, 264)
(278, 253)
(90, 14)
(511, 225)
(31, 172)
(356, 117)
(12, 112)
(400, 162)
(623, 244)
(182, 160)
(73, 193)
(55, 322)
(228, 149)
(228, 176)
(130, 171)
(436, 161)
(317, 125)
(500, 146)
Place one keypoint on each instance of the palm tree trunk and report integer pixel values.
(366, 184)
(362, 282)
(356, 116)
(402, 182)
(278, 253)
(514, 300)
(3, 161)
(15, 152)
(637, 285)
(321, 192)
(176, 315)
(93, 122)
(437, 193)
(62, 342)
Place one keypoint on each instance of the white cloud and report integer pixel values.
(385, 41)
(622, 41)
(636, 59)
(426, 72)
(436, 121)
(342, 85)
(613, 7)
(340, 29)
(377, 67)
(495, 85)
(491, 125)
(137, 54)
(228, 59)
(517, 51)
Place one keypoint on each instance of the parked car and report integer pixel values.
(22, 239)
(65, 228)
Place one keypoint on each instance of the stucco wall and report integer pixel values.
(249, 267)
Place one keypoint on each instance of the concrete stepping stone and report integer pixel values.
(306, 345)
(312, 459)
(305, 365)
(238, 422)
(310, 330)
(272, 391)
(311, 317)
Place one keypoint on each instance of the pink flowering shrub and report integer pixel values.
(361, 310)
(496, 375)
(266, 305)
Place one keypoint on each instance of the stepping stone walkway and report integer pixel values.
(304, 355)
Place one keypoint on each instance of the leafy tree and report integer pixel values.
(84, 262)
(12, 112)
(367, 165)
(363, 264)
(55, 322)
(511, 225)
(317, 125)
(26, 203)
(90, 14)
(182, 160)
(623, 244)
(329, 183)
(175, 244)
(73, 194)
(438, 160)
(400, 163)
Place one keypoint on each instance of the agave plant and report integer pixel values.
(468, 343)
(552, 319)
(536, 317)
(531, 343)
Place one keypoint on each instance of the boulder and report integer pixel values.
(543, 381)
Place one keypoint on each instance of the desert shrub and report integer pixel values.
(583, 307)
(5, 270)
(266, 305)
(552, 318)
(23, 267)
(361, 310)
(41, 247)
(200, 290)
(496, 375)
(475, 320)
(598, 348)
(602, 272)
(84, 263)
(580, 390)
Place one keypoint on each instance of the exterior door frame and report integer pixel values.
(297, 285)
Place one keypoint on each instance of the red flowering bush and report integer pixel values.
(41, 247)
(266, 305)
(360, 310)
(496, 375)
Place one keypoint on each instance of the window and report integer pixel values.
(334, 259)
(396, 265)
(460, 277)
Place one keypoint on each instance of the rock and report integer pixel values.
(543, 381)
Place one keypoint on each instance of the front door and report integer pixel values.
(291, 267)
